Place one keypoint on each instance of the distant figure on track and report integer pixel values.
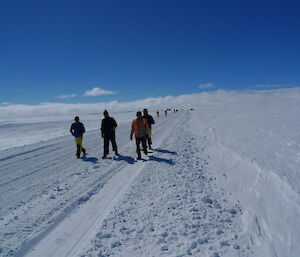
(108, 128)
(150, 122)
(166, 113)
(157, 113)
(139, 128)
(77, 130)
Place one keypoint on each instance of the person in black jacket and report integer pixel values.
(77, 130)
(108, 128)
(150, 121)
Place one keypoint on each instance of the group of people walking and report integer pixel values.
(141, 128)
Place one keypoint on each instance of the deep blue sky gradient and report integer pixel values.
(144, 48)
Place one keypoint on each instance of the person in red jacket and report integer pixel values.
(139, 128)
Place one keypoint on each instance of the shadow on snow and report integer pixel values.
(128, 159)
(131, 160)
(165, 151)
(158, 159)
(89, 159)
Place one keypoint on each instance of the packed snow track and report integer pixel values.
(177, 203)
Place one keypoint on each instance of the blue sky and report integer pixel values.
(91, 51)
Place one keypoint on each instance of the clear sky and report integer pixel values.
(87, 51)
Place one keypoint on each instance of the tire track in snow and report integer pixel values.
(64, 239)
(27, 152)
(31, 205)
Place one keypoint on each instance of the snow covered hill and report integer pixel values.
(220, 182)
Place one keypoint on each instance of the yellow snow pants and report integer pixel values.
(78, 141)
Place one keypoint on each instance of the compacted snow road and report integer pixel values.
(42, 183)
(53, 204)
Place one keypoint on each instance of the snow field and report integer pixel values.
(223, 181)
(172, 208)
(25, 131)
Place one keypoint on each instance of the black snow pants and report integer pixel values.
(138, 141)
(110, 137)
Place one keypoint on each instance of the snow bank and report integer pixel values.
(255, 149)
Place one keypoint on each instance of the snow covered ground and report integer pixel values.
(223, 180)
(24, 131)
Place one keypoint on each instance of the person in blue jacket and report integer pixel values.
(77, 130)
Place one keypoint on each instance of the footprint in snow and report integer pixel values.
(206, 199)
(164, 248)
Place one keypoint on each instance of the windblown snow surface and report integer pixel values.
(223, 180)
